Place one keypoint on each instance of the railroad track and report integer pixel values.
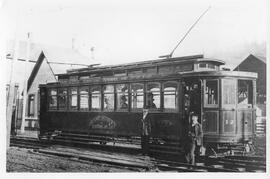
(142, 163)
(28, 142)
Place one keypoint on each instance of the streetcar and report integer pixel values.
(109, 101)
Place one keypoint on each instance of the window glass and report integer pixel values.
(122, 96)
(211, 66)
(137, 96)
(73, 99)
(62, 98)
(108, 97)
(202, 65)
(245, 92)
(84, 98)
(153, 96)
(170, 95)
(95, 98)
(228, 91)
(52, 99)
(211, 92)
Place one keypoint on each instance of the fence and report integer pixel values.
(260, 128)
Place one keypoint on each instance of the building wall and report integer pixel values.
(44, 75)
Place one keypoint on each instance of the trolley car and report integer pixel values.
(109, 101)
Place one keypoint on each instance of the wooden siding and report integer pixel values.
(43, 76)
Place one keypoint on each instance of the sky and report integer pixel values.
(124, 31)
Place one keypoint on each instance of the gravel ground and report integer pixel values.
(260, 145)
(25, 160)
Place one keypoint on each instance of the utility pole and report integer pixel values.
(26, 80)
(9, 111)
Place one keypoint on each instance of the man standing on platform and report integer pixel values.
(146, 127)
(195, 137)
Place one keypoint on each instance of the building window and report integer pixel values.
(153, 96)
(84, 98)
(170, 95)
(108, 91)
(95, 98)
(211, 93)
(137, 96)
(73, 99)
(62, 98)
(52, 99)
(122, 96)
(245, 92)
(31, 107)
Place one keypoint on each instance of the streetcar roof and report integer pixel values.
(144, 64)
(240, 74)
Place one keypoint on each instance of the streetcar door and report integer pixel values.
(192, 98)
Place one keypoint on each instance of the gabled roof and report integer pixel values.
(260, 58)
(35, 70)
(59, 58)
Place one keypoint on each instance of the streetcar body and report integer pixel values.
(110, 100)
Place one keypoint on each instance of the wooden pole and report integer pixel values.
(9, 111)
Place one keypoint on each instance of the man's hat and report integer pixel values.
(192, 113)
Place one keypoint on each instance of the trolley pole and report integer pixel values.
(25, 81)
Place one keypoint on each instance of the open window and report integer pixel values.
(137, 96)
(108, 91)
(62, 98)
(73, 99)
(153, 96)
(170, 96)
(95, 98)
(211, 93)
(122, 97)
(84, 98)
(245, 92)
(52, 99)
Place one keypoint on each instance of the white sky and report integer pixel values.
(126, 31)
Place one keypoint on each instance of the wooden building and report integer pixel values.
(49, 63)
(43, 64)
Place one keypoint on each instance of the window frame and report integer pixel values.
(147, 92)
(91, 95)
(108, 93)
(131, 95)
(252, 94)
(29, 105)
(80, 95)
(232, 105)
(56, 97)
(127, 94)
(70, 95)
(206, 105)
(176, 96)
